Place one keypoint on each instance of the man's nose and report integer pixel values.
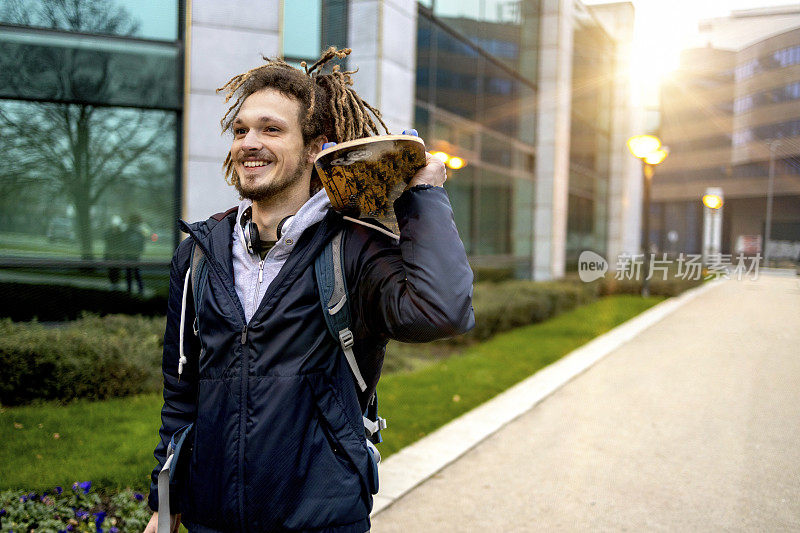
(251, 141)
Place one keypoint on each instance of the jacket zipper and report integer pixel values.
(243, 377)
(258, 285)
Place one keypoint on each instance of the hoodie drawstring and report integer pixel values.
(182, 359)
(373, 226)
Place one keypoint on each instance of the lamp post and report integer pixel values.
(647, 148)
(712, 224)
(770, 185)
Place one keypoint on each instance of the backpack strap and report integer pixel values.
(329, 270)
(373, 424)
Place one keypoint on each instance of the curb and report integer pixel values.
(419, 461)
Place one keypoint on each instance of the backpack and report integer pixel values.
(329, 271)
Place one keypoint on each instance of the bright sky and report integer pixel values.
(665, 27)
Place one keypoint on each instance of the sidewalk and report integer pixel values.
(693, 425)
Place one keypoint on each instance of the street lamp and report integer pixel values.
(712, 201)
(452, 161)
(712, 224)
(648, 149)
(643, 145)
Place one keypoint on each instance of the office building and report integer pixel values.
(114, 114)
(729, 116)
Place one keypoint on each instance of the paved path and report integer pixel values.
(694, 425)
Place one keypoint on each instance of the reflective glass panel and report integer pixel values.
(145, 19)
(88, 69)
(72, 173)
(302, 24)
(494, 214)
(460, 190)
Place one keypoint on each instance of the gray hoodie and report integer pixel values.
(251, 274)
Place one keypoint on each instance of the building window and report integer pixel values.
(311, 25)
(143, 19)
(89, 127)
(782, 58)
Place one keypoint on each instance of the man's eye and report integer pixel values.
(272, 129)
(239, 131)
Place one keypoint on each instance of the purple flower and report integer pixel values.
(86, 485)
(59, 490)
(138, 496)
(70, 528)
(2, 512)
(113, 530)
(23, 499)
(80, 513)
(100, 517)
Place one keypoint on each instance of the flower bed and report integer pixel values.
(78, 509)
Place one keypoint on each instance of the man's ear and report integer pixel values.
(315, 147)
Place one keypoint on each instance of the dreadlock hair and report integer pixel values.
(332, 108)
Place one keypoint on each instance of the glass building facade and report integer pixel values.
(90, 128)
(92, 120)
(475, 98)
(590, 138)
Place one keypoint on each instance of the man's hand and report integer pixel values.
(174, 523)
(433, 173)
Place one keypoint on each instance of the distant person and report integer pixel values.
(133, 240)
(112, 240)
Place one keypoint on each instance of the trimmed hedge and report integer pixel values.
(511, 304)
(118, 355)
(658, 287)
(93, 357)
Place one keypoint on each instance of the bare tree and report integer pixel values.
(61, 146)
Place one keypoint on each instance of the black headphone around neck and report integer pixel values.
(252, 240)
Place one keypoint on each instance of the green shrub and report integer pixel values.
(658, 287)
(492, 274)
(511, 304)
(501, 306)
(94, 357)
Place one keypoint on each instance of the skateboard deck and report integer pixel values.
(364, 177)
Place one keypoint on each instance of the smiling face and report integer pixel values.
(268, 152)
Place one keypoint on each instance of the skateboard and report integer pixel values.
(364, 177)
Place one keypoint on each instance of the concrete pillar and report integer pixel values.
(624, 187)
(383, 36)
(552, 139)
(223, 39)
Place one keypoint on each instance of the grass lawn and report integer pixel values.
(111, 443)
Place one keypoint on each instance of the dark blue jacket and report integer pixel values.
(278, 440)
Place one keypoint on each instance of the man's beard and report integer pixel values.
(273, 188)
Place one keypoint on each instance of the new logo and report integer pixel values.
(591, 266)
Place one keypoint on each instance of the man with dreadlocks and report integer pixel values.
(277, 442)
